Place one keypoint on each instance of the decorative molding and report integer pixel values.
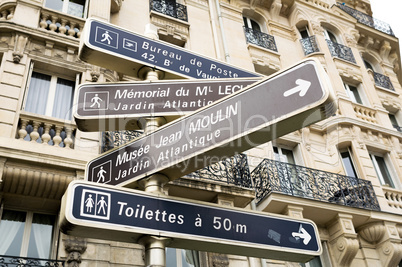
(75, 247)
(373, 232)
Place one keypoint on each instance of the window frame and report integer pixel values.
(359, 91)
(65, 8)
(249, 21)
(52, 90)
(388, 167)
(352, 161)
(29, 214)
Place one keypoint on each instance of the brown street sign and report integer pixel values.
(118, 106)
(284, 102)
(112, 47)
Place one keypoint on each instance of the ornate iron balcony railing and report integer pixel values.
(169, 8)
(12, 261)
(274, 176)
(383, 81)
(309, 45)
(114, 139)
(234, 171)
(341, 51)
(367, 20)
(260, 38)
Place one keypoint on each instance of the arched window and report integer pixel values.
(251, 24)
(330, 36)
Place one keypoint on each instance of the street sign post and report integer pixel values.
(118, 106)
(125, 215)
(107, 45)
(277, 105)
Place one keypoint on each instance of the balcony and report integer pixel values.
(383, 81)
(11, 261)
(62, 24)
(309, 45)
(260, 39)
(341, 51)
(232, 171)
(272, 176)
(367, 20)
(169, 8)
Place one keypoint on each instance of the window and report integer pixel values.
(348, 163)
(394, 121)
(251, 24)
(26, 234)
(368, 65)
(50, 96)
(382, 170)
(284, 155)
(353, 93)
(181, 258)
(330, 36)
(304, 32)
(72, 7)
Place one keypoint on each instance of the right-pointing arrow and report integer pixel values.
(303, 235)
(302, 87)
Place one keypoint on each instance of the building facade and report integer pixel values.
(343, 173)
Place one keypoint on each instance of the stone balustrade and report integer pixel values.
(7, 12)
(394, 198)
(61, 23)
(365, 113)
(46, 130)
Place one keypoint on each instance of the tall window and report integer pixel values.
(394, 121)
(304, 32)
(182, 258)
(26, 234)
(348, 164)
(353, 93)
(50, 96)
(251, 24)
(330, 36)
(72, 7)
(284, 155)
(382, 170)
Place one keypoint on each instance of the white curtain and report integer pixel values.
(11, 224)
(41, 232)
(192, 258)
(38, 93)
(63, 99)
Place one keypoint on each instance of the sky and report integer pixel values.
(389, 11)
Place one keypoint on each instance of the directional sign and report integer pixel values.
(118, 106)
(125, 215)
(285, 102)
(112, 47)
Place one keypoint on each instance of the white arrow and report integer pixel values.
(303, 235)
(302, 87)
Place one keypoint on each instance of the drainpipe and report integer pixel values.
(225, 48)
(254, 207)
(214, 30)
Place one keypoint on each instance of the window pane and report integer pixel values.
(38, 93)
(55, 4)
(348, 164)
(11, 232)
(393, 119)
(76, 8)
(189, 258)
(355, 93)
(304, 33)
(41, 236)
(63, 99)
(383, 170)
(171, 260)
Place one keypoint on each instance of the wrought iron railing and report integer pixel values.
(383, 81)
(260, 38)
(169, 8)
(367, 20)
(114, 139)
(309, 45)
(12, 261)
(341, 51)
(274, 176)
(234, 171)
